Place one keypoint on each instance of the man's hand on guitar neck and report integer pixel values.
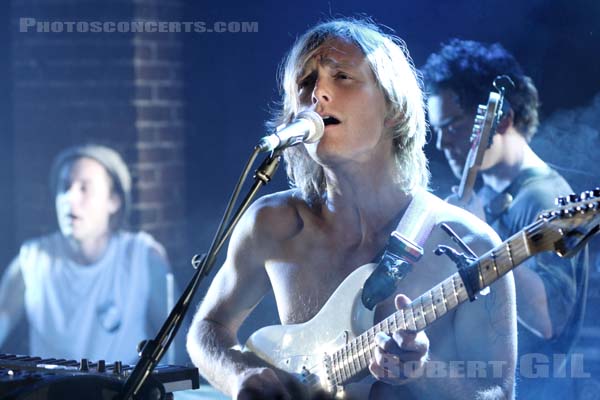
(401, 357)
(473, 205)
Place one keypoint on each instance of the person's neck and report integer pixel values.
(515, 157)
(88, 251)
(363, 199)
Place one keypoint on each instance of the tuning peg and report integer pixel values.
(573, 198)
(596, 192)
(560, 201)
(567, 213)
(586, 195)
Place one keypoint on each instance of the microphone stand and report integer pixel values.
(153, 350)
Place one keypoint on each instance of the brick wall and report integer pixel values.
(119, 89)
(159, 161)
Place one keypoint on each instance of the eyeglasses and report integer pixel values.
(451, 126)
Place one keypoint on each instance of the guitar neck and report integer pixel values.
(467, 183)
(352, 360)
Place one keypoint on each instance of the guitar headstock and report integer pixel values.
(481, 135)
(575, 220)
(483, 125)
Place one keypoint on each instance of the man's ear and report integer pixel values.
(115, 203)
(505, 122)
(390, 122)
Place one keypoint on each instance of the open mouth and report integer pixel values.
(72, 217)
(329, 120)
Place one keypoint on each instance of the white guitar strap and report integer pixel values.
(418, 220)
(404, 248)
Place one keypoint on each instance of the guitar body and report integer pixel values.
(300, 349)
(343, 325)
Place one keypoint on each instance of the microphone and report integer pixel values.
(307, 127)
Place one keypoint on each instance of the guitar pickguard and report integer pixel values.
(301, 349)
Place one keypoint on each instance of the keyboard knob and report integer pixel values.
(118, 368)
(84, 365)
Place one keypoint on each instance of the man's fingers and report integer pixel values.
(411, 341)
(401, 301)
(385, 359)
(402, 342)
(380, 372)
(386, 343)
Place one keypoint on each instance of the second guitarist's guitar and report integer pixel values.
(484, 127)
(331, 350)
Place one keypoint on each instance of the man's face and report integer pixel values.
(452, 127)
(339, 85)
(84, 200)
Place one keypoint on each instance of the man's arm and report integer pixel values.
(12, 298)
(236, 289)
(533, 302)
(484, 333)
(546, 284)
(485, 336)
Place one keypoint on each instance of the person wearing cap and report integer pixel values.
(89, 290)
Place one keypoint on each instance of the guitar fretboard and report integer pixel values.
(354, 358)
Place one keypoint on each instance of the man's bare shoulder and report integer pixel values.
(469, 227)
(277, 216)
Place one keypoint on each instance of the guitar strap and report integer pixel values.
(404, 248)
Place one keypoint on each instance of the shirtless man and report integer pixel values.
(349, 192)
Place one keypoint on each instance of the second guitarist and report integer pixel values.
(517, 185)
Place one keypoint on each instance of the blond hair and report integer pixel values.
(395, 75)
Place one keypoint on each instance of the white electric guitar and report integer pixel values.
(335, 348)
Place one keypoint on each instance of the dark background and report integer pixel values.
(230, 88)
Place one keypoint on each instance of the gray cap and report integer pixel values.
(111, 160)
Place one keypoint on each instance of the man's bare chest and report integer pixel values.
(304, 276)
